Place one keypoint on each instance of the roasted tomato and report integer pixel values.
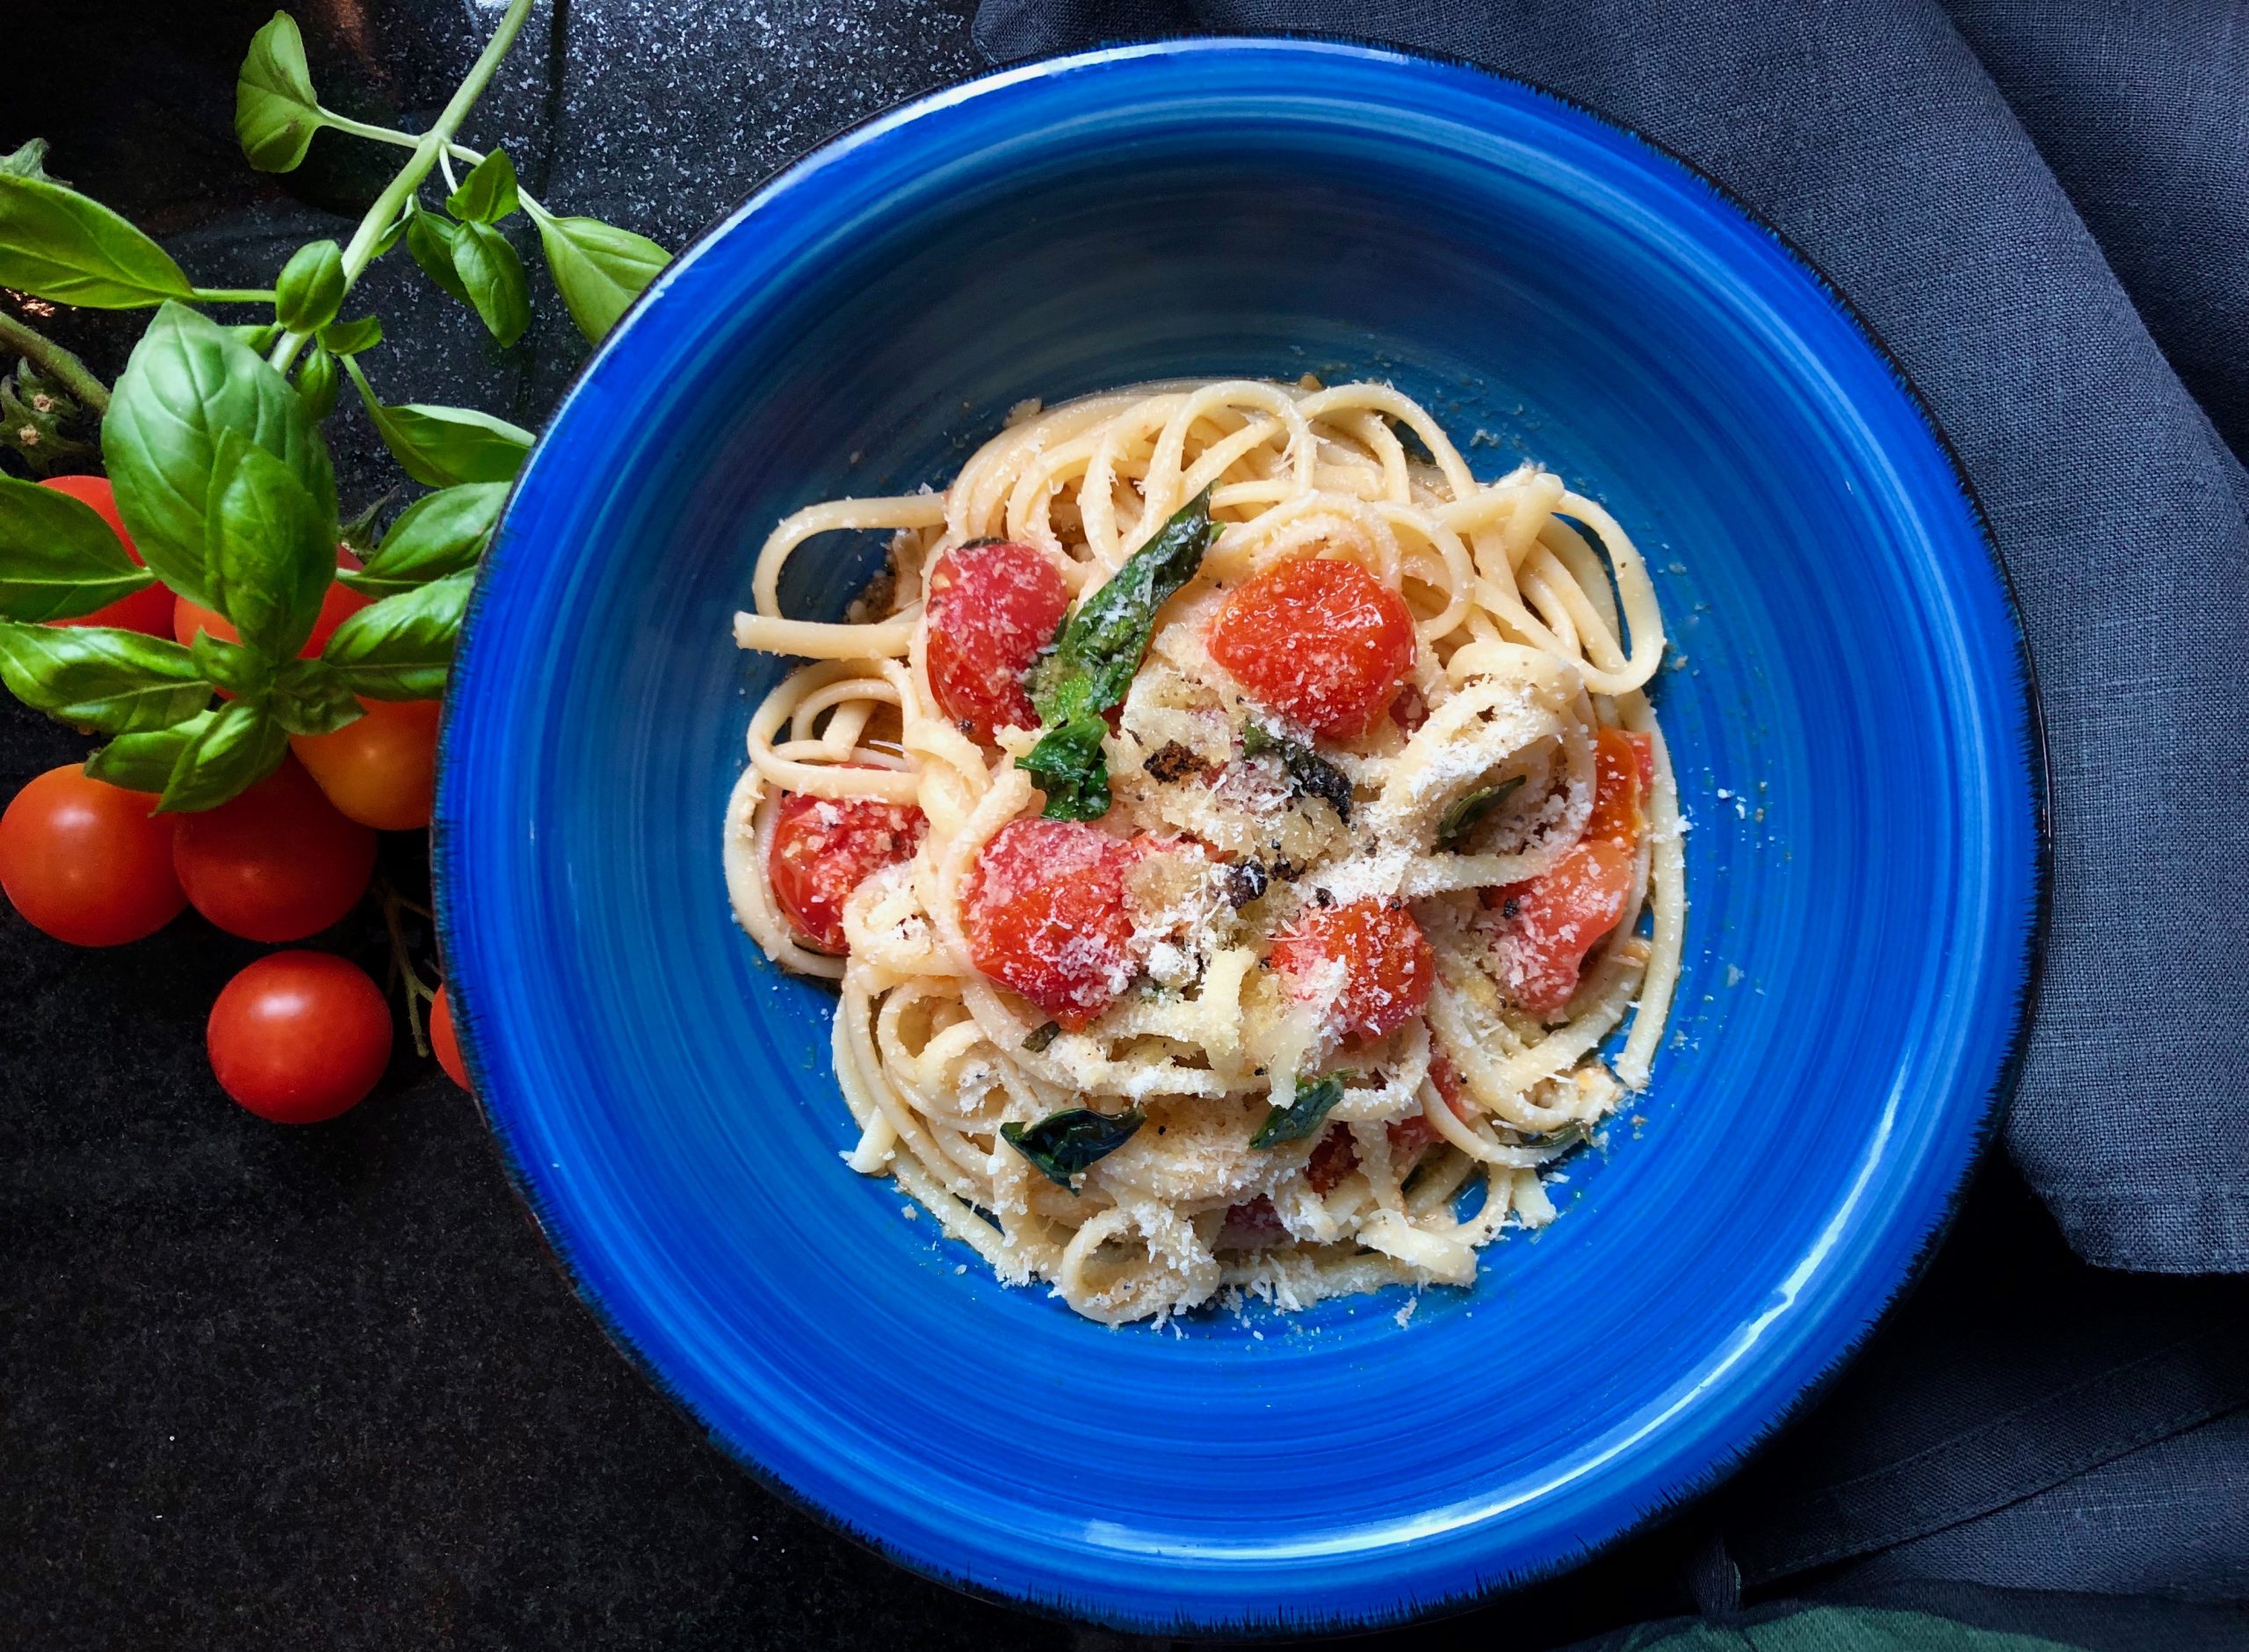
(1046, 914)
(1368, 958)
(1320, 642)
(825, 847)
(991, 609)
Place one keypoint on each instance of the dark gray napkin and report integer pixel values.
(1978, 183)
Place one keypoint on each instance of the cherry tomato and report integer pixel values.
(1046, 915)
(299, 1037)
(1333, 1156)
(823, 849)
(86, 861)
(1550, 922)
(380, 770)
(1386, 968)
(1321, 642)
(1410, 1135)
(276, 863)
(991, 609)
(444, 1044)
(148, 610)
(338, 605)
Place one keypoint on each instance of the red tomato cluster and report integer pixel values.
(1320, 642)
(991, 608)
(298, 1035)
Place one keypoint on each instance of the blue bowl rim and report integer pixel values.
(1993, 1108)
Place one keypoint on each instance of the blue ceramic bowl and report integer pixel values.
(1846, 700)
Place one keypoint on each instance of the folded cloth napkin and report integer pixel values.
(2042, 207)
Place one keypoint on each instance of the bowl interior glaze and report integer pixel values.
(1845, 700)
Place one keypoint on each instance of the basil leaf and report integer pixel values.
(488, 193)
(401, 647)
(58, 557)
(429, 242)
(272, 548)
(310, 698)
(1468, 812)
(389, 238)
(255, 339)
(1068, 1143)
(441, 447)
(494, 276)
(56, 243)
(242, 672)
(1039, 1037)
(319, 381)
(92, 676)
(310, 290)
(276, 109)
(189, 380)
(29, 160)
(348, 338)
(359, 534)
(438, 534)
(1100, 647)
(145, 761)
(1070, 767)
(240, 746)
(1310, 774)
(1307, 1112)
(597, 268)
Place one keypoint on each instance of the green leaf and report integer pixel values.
(276, 109)
(597, 268)
(390, 237)
(257, 338)
(1307, 1112)
(429, 242)
(1468, 812)
(319, 381)
(359, 534)
(55, 243)
(241, 745)
(488, 193)
(311, 698)
(242, 672)
(438, 534)
(188, 381)
(1095, 657)
(1066, 1144)
(58, 557)
(441, 447)
(401, 647)
(272, 548)
(145, 761)
(93, 676)
(1310, 774)
(494, 276)
(29, 160)
(348, 338)
(310, 290)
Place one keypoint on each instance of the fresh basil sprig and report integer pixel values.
(1310, 774)
(1064, 1145)
(58, 558)
(1307, 1110)
(1099, 648)
(1467, 812)
(439, 533)
(94, 677)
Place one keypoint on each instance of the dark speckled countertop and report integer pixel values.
(324, 1387)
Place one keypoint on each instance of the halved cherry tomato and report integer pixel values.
(824, 848)
(380, 770)
(86, 861)
(1320, 641)
(276, 863)
(148, 610)
(444, 1043)
(1046, 915)
(299, 1037)
(1337, 1156)
(991, 609)
(1387, 969)
(338, 605)
(1550, 922)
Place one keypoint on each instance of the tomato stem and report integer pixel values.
(417, 991)
(66, 369)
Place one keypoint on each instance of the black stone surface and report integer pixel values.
(272, 1387)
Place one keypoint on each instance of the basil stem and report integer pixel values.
(1306, 1113)
(1467, 813)
(1066, 1144)
(1099, 648)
